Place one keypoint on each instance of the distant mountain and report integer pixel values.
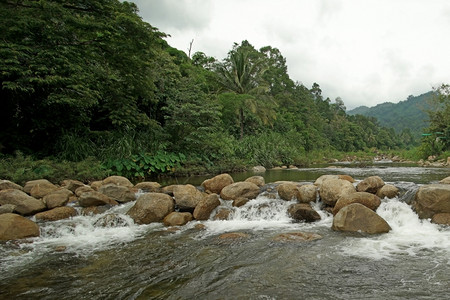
(410, 113)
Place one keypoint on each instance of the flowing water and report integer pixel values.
(107, 256)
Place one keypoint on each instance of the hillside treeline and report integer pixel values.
(92, 79)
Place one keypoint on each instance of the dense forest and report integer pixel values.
(91, 79)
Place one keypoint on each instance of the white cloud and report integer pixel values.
(365, 52)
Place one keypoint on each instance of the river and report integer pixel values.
(80, 259)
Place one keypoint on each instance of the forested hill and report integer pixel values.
(409, 114)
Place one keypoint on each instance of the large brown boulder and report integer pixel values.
(432, 199)
(303, 212)
(205, 206)
(40, 190)
(13, 227)
(388, 191)
(367, 199)
(370, 184)
(119, 193)
(441, 218)
(6, 185)
(71, 184)
(30, 184)
(319, 181)
(83, 189)
(94, 198)
(240, 189)
(333, 189)
(358, 218)
(25, 204)
(288, 191)
(307, 193)
(258, 180)
(7, 208)
(148, 186)
(57, 213)
(446, 180)
(177, 218)
(217, 183)
(118, 180)
(187, 197)
(57, 198)
(151, 207)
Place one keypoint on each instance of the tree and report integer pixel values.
(439, 116)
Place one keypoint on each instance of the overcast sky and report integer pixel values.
(364, 51)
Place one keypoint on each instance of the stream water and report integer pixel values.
(89, 258)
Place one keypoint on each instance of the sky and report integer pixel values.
(365, 51)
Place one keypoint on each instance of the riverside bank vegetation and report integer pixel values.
(89, 89)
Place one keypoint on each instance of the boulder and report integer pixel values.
(177, 218)
(83, 189)
(71, 185)
(441, 218)
(303, 212)
(187, 197)
(432, 199)
(169, 189)
(258, 180)
(297, 237)
(95, 210)
(347, 177)
(222, 214)
(7, 208)
(95, 185)
(370, 184)
(25, 204)
(6, 185)
(367, 199)
(117, 180)
(151, 207)
(446, 180)
(358, 218)
(319, 181)
(288, 191)
(388, 191)
(40, 190)
(57, 198)
(239, 202)
(13, 227)
(30, 184)
(94, 198)
(307, 193)
(240, 189)
(57, 213)
(148, 186)
(217, 183)
(333, 189)
(258, 169)
(119, 193)
(205, 206)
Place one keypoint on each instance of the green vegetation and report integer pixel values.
(88, 83)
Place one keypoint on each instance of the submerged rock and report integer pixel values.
(234, 236)
(297, 237)
(13, 227)
(151, 207)
(358, 218)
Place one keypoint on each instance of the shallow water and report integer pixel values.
(83, 259)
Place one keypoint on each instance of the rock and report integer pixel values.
(25, 204)
(240, 189)
(30, 184)
(57, 213)
(95, 185)
(187, 197)
(346, 177)
(431, 199)
(333, 189)
(94, 198)
(119, 193)
(370, 184)
(177, 218)
(388, 191)
(258, 180)
(367, 199)
(71, 185)
(7, 208)
(151, 207)
(13, 227)
(239, 202)
(40, 190)
(307, 193)
(217, 183)
(117, 180)
(169, 189)
(358, 218)
(205, 207)
(57, 198)
(319, 181)
(95, 210)
(83, 189)
(446, 180)
(6, 185)
(222, 214)
(258, 169)
(297, 237)
(441, 218)
(288, 191)
(303, 212)
(148, 186)
(233, 236)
